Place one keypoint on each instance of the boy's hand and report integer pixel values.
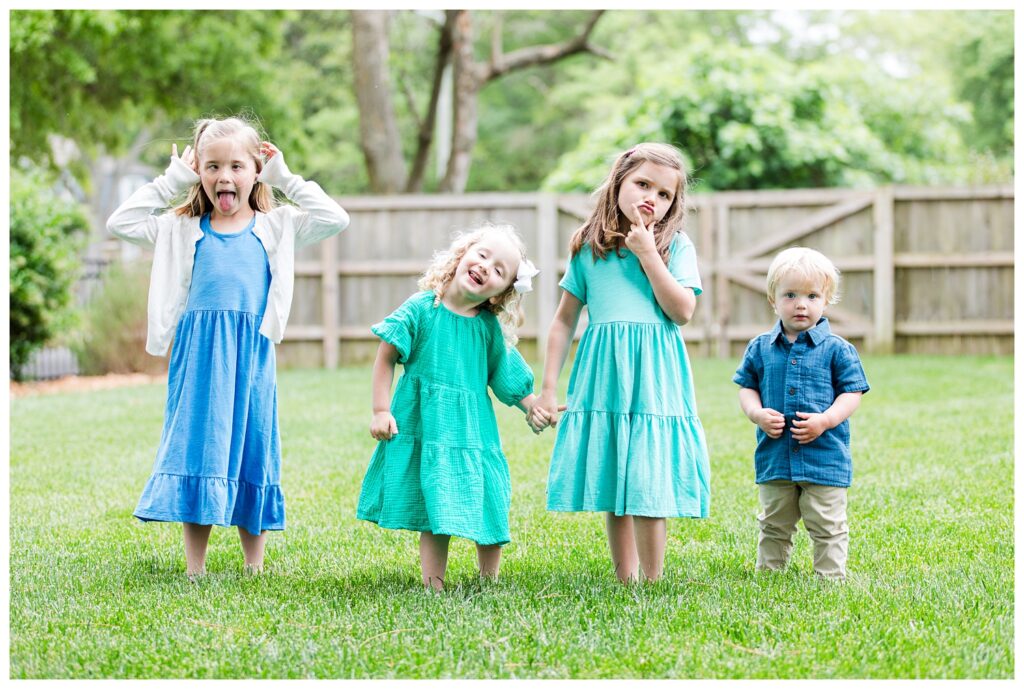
(770, 421)
(383, 426)
(809, 427)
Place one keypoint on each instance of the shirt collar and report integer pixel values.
(819, 332)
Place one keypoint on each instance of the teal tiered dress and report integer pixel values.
(444, 472)
(630, 441)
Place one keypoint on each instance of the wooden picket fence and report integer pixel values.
(927, 270)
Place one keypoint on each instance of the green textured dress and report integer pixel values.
(630, 441)
(444, 472)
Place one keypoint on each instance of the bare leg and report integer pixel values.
(623, 547)
(252, 548)
(433, 559)
(489, 559)
(651, 533)
(197, 536)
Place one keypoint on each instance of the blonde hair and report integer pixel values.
(507, 306)
(197, 203)
(601, 230)
(807, 264)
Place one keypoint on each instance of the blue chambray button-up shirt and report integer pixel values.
(806, 375)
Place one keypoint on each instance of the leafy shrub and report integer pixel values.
(748, 119)
(112, 337)
(46, 236)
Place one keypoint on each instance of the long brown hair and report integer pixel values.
(601, 230)
(197, 203)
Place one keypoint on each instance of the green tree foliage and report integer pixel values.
(748, 119)
(983, 74)
(45, 239)
(314, 75)
(97, 76)
(101, 77)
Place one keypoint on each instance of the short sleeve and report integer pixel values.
(509, 376)
(574, 281)
(402, 326)
(682, 263)
(847, 371)
(749, 374)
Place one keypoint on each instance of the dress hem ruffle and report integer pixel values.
(634, 512)
(396, 526)
(212, 500)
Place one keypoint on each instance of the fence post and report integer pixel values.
(329, 288)
(883, 338)
(705, 222)
(547, 262)
(722, 277)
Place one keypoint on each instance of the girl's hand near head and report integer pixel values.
(275, 170)
(640, 239)
(188, 156)
(383, 426)
(268, 150)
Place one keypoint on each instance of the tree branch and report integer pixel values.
(410, 98)
(544, 54)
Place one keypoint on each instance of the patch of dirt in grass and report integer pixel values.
(83, 383)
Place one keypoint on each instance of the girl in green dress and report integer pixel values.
(631, 444)
(439, 468)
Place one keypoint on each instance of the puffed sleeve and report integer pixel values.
(682, 263)
(509, 376)
(574, 281)
(402, 325)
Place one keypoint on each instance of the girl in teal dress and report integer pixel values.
(439, 468)
(630, 443)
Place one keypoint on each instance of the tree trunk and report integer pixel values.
(471, 76)
(378, 126)
(426, 135)
(467, 85)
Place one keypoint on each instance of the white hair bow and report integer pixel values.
(524, 277)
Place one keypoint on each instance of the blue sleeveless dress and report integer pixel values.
(219, 460)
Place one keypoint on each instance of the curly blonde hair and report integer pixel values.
(602, 229)
(507, 306)
(197, 203)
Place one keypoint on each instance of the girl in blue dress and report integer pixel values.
(630, 443)
(221, 287)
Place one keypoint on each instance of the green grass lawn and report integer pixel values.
(93, 593)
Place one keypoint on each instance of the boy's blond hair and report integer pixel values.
(507, 306)
(807, 264)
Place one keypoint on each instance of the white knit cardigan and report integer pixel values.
(173, 239)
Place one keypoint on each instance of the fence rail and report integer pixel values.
(915, 262)
(925, 269)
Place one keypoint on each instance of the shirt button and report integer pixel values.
(796, 448)
(792, 391)
(793, 361)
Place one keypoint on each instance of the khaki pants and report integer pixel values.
(823, 509)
